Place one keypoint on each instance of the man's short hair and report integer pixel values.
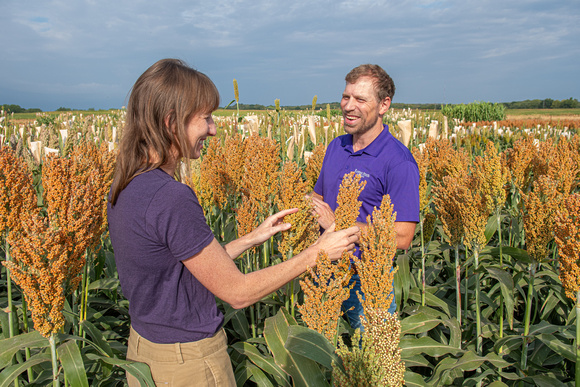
(384, 85)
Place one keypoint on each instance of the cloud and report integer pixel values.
(452, 49)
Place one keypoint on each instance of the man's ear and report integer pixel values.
(384, 105)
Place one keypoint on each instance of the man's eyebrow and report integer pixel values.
(356, 96)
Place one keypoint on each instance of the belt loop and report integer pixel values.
(178, 353)
(137, 341)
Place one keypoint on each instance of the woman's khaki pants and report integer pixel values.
(199, 363)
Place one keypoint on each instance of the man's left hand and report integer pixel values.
(324, 212)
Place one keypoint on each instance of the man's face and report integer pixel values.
(361, 109)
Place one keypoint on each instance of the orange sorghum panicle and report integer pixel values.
(348, 207)
(292, 186)
(568, 239)
(422, 159)
(42, 267)
(444, 160)
(519, 162)
(303, 233)
(97, 164)
(463, 210)
(235, 166)
(575, 146)
(447, 199)
(247, 217)
(107, 166)
(378, 247)
(540, 206)
(324, 292)
(473, 209)
(17, 196)
(491, 176)
(262, 164)
(314, 165)
(564, 154)
(74, 196)
(194, 179)
(543, 156)
(213, 185)
(304, 230)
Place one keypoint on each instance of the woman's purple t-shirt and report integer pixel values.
(156, 223)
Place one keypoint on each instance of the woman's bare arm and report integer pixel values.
(216, 270)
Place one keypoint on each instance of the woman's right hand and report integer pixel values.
(334, 243)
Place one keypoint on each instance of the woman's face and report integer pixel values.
(197, 130)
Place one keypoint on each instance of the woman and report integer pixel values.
(169, 263)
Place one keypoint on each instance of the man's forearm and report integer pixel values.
(404, 231)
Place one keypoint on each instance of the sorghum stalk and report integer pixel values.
(10, 304)
(29, 371)
(498, 218)
(9, 290)
(292, 300)
(479, 340)
(265, 255)
(237, 98)
(466, 296)
(527, 316)
(253, 320)
(422, 263)
(458, 285)
(222, 224)
(52, 341)
(290, 286)
(84, 296)
(578, 338)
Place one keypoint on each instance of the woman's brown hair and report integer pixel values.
(163, 100)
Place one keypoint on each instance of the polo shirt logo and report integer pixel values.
(362, 174)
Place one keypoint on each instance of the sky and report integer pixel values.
(84, 54)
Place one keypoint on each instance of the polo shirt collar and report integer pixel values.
(373, 149)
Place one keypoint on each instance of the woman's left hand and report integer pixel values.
(271, 226)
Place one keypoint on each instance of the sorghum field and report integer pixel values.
(488, 294)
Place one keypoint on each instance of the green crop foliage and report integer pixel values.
(475, 112)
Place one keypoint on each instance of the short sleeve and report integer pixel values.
(318, 187)
(403, 188)
(177, 220)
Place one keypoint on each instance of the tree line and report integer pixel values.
(548, 103)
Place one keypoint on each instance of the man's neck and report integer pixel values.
(363, 140)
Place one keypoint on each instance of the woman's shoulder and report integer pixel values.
(169, 188)
(154, 186)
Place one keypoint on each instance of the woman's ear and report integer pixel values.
(169, 121)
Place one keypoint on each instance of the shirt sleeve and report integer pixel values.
(178, 221)
(403, 188)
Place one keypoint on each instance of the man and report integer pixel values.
(371, 151)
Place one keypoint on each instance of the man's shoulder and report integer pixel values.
(394, 149)
(341, 141)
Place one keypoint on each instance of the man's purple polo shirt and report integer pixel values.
(388, 168)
